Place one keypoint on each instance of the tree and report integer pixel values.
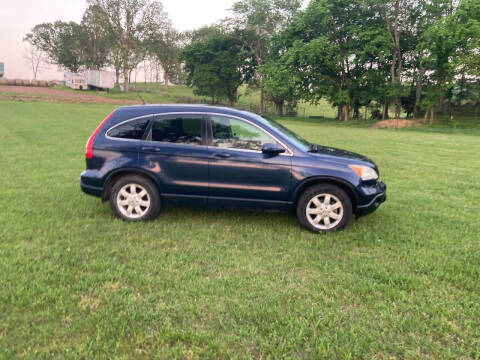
(164, 46)
(130, 22)
(467, 59)
(391, 13)
(336, 48)
(217, 66)
(115, 59)
(200, 34)
(75, 46)
(60, 42)
(357, 52)
(257, 21)
(279, 85)
(95, 39)
(419, 16)
(35, 58)
(439, 47)
(465, 24)
(404, 22)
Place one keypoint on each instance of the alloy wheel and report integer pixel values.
(133, 201)
(324, 211)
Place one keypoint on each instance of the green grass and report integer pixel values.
(77, 283)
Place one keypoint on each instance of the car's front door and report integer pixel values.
(238, 170)
(175, 151)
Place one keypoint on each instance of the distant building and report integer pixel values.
(2, 69)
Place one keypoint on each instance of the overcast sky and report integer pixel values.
(17, 17)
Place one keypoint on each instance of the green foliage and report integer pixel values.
(95, 39)
(60, 41)
(466, 25)
(164, 46)
(431, 97)
(439, 45)
(217, 66)
(465, 94)
(408, 100)
(255, 22)
(335, 49)
(268, 16)
(279, 85)
(354, 53)
(359, 53)
(130, 22)
(111, 32)
(201, 34)
(451, 48)
(258, 20)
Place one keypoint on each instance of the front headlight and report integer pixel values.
(365, 172)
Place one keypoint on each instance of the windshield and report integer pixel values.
(297, 140)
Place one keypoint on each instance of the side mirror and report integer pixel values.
(272, 149)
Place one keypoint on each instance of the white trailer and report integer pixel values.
(100, 79)
(76, 81)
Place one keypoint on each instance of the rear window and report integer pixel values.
(178, 129)
(134, 130)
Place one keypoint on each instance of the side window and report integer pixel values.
(182, 129)
(229, 133)
(130, 130)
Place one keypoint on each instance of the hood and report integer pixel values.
(347, 155)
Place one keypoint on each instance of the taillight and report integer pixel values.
(88, 147)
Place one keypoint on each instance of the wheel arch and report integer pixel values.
(342, 184)
(115, 175)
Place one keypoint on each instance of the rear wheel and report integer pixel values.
(135, 198)
(324, 208)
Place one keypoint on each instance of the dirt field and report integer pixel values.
(24, 93)
(396, 123)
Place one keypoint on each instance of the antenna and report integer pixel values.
(143, 101)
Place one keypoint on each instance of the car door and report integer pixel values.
(176, 152)
(239, 171)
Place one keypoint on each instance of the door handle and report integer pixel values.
(223, 155)
(151, 148)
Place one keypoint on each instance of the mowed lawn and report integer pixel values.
(77, 283)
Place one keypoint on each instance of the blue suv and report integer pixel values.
(143, 157)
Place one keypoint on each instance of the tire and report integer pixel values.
(144, 205)
(315, 200)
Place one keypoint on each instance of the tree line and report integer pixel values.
(113, 33)
(415, 57)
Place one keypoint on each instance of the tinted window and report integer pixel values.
(229, 133)
(131, 130)
(185, 129)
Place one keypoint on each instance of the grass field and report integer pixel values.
(77, 283)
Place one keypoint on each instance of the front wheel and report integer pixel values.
(135, 198)
(324, 208)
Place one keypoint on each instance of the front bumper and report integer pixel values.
(376, 196)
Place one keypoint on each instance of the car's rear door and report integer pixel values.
(176, 152)
(238, 170)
